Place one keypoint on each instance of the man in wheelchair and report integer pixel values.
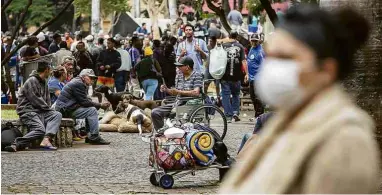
(188, 83)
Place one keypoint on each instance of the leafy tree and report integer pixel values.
(39, 12)
(107, 7)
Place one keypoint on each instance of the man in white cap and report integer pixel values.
(40, 40)
(74, 102)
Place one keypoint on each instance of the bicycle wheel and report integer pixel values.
(210, 116)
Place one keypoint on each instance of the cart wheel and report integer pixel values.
(166, 181)
(153, 180)
(222, 173)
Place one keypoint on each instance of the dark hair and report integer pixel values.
(156, 43)
(42, 66)
(80, 42)
(100, 40)
(337, 34)
(213, 38)
(189, 25)
(32, 40)
(63, 45)
(143, 24)
(55, 36)
(29, 51)
(134, 40)
(111, 40)
(233, 34)
(79, 36)
(58, 71)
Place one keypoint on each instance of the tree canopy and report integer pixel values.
(39, 12)
(107, 6)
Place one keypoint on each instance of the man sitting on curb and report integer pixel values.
(74, 102)
(34, 110)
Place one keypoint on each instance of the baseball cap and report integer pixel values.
(148, 51)
(89, 38)
(185, 61)
(255, 37)
(40, 37)
(87, 72)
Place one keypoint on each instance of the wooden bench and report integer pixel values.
(64, 137)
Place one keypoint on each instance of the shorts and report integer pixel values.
(107, 81)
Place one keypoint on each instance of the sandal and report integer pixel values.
(48, 147)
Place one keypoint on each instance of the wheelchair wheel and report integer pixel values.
(210, 116)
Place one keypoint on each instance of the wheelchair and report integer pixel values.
(199, 110)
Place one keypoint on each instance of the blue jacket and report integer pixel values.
(75, 95)
(254, 59)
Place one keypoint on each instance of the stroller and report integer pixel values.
(175, 155)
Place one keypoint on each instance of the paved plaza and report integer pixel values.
(122, 167)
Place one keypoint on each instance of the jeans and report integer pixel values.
(257, 104)
(231, 88)
(159, 113)
(39, 125)
(121, 80)
(149, 86)
(91, 115)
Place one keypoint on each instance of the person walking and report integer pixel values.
(235, 19)
(230, 82)
(135, 59)
(318, 141)
(148, 71)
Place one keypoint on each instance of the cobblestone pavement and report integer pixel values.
(119, 168)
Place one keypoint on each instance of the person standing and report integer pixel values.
(54, 46)
(135, 59)
(34, 110)
(207, 75)
(63, 53)
(194, 48)
(148, 71)
(83, 57)
(254, 60)
(123, 73)
(68, 39)
(142, 29)
(235, 19)
(108, 63)
(230, 83)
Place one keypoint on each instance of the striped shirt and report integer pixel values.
(194, 81)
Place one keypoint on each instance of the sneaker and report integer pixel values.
(236, 118)
(229, 119)
(97, 141)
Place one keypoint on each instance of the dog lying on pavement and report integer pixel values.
(113, 98)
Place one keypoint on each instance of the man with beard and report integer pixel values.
(194, 48)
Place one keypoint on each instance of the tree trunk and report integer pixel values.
(241, 5)
(173, 10)
(96, 4)
(137, 9)
(270, 11)
(226, 7)
(366, 83)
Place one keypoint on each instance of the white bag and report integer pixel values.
(218, 62)
(174, 132)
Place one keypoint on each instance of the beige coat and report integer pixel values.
(328, 148)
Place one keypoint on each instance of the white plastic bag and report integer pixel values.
(218, 62)
(174, 132)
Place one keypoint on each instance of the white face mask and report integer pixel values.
(278, 83)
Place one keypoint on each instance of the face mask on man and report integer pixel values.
(278, 83)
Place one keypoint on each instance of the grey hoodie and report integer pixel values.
(33, 96)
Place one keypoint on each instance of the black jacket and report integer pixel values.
(75, 95)
(109, 57)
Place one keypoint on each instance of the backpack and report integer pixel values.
(8, 134)
(218, 62)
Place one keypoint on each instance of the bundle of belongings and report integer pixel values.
(186, 147)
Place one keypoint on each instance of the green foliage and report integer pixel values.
(254, 7)
(39, 12)
(107, 6)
